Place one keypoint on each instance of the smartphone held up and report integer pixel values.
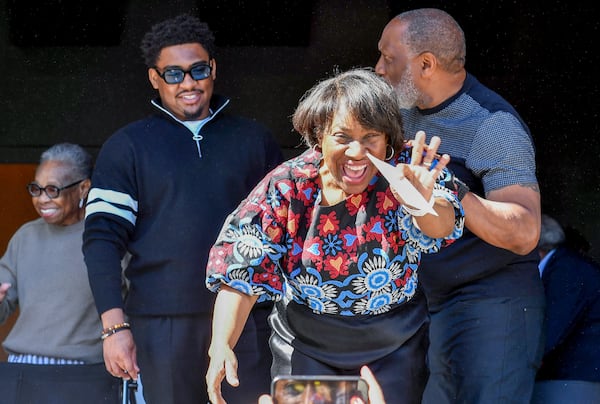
(319, 390)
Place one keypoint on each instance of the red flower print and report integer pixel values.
(261, 277)
(328, 224)
(292, 223)
(306, 192)
(312, 248)
(275, 282)
(312, 253)
(385, 202)
(350, 239)
(354, 202)
(281, 211)
(375, 229)
(396, 243)
(295, 252)
(275, 233)
(337, 265)
(401, 282)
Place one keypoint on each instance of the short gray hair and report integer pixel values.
(72, 155)
(434, 30)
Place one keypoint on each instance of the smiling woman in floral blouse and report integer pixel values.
(326, 237)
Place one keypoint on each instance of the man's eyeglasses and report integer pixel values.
(175, 75)
(52, 191)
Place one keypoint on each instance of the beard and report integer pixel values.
(408, 94)
(193, 115)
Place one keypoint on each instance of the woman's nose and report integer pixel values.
(355, 148)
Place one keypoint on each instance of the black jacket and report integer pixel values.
(572, 286)
(156, 196)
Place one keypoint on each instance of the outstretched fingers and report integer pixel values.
(418, 146)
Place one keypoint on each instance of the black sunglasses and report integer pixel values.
(175, 75)
(52, 191)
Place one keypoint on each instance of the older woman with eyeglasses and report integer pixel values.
(42, 273)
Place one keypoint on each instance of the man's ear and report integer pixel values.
(153, 77)
(428, 63)
(213, 71)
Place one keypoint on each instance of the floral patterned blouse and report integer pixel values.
(358, 257)
(344, 277)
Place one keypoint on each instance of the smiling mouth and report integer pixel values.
(191, 96)
(355, 172)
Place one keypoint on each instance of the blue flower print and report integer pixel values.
(249, 243)
(391, 221)
(377, 304)
(240, 280)
(332, 244)
(416, 237)
(378, 277)
(273, 198)
(318, 296)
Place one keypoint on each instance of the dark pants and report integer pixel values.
(58, 384)
(402, 373)
(172, 353)
(485, 351)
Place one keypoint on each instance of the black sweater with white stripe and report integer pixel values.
(161, 195)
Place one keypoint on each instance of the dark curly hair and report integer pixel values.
(178, 30)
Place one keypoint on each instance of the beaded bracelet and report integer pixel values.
(107, 332)
(116, 326)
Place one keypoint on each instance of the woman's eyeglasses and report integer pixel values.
(52, 191)
(175, 75)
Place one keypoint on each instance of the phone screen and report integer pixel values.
(319, 390)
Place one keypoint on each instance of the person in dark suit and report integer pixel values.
(570, 370)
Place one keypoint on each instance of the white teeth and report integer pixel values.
(356, 168)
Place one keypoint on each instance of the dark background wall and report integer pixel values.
(72, 71)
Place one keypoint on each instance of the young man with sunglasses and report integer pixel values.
(161, 191)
